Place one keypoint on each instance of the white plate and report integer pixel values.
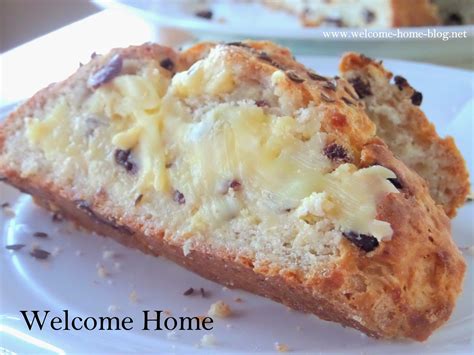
(234, 20)
(70, 281)
(234, 17)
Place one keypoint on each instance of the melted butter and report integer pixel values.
(238, 141)
(211, 77)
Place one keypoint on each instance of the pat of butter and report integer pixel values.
(228, 141)
(211, 77)
(54, 133)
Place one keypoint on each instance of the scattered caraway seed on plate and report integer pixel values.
(281, 348)
(40, 235)
(189, 291)
(40, 254)
(15, 246)
(203, 293)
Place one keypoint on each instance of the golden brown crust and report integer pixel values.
(452, 184)
(374, 292)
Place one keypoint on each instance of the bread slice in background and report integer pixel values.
(395, 110)
(242, 165)
(360, 13)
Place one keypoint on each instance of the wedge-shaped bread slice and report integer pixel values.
(395, 110)
(247, 172)
(361, 13)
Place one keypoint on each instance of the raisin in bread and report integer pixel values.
(360, 13)
(247, 169)
(455, 12)
(395, 110)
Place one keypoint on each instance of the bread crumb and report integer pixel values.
(229, 326)
(467, 250)
(133, 296)
(281, 348)
(219, 309)
(238, 300)
(470, 196)
(8, 211)
(208, 340)
(108, 254)
(167, 312)
(172, 335)
(56, 251)
(187, 247)
(102, 272)
(225, 288)
(112, 308)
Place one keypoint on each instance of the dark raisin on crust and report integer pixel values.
(333, 21)
(326, 98)
(416, 98)
(84, 206)
(362, 88)
(264, 56)
(336, 152)
(365, 57)
(207, 14)
(400, 81)
(122, 158)
(454, 19)
(235, 185)
(167, 63)
(262, 103)
(106, 73)
(369, 16)
(188, 292)
(294, 77)
(138, 199)
(15, 246)
(40, 235)
(179, 197)
(40, 254)
(363, 241)
(317, 77)
(237, 44)
(395, 182)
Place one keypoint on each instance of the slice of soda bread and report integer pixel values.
(247, 169)
(360, 13)
(395, 110)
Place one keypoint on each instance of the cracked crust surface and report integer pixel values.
(374, 292)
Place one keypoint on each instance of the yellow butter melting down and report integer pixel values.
(228, 142)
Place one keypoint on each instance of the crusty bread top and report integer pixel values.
(403, 287)
(395, 109)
